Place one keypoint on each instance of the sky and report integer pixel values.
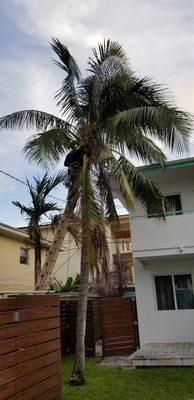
(158, 36)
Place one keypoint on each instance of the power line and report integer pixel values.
(54, 197)
(66, 260)
(24, 183)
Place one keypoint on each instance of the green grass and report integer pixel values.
(107, 383)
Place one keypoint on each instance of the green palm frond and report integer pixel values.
(144, 190)
(108, 50)
(47, 147)
(31, 119)
(93, 221)
(169, 125)
(67, 63)
(145, 149)
(107, 196)
(66, 96)
(115, 169)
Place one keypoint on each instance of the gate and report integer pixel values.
(119, 326)
(30, 348)
(69, 323)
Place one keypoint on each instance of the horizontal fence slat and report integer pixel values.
(7, 304)
(36, 390)
(32, 365)
(7, 376)
(7, 346)
(7, 391)
(37, 301)
(37, 326)
(7, 331)
(37, 351)
(37, 376)
(37, 314)
(53, 394)
(6, 317)
(7, 361)
(37, 338)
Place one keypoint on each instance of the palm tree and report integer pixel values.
(38, 208)
(108, 117)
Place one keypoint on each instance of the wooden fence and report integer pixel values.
(30, 348)
(119, 326)
(68, 326)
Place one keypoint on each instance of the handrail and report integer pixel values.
(167, 214)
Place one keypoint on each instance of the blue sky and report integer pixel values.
(157, 35)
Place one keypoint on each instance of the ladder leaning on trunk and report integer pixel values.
(43, 280)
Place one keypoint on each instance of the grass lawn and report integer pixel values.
(107, 383)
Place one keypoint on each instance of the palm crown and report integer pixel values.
(109, 116)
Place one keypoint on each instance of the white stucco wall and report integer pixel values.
(151, 237)
(161, 326)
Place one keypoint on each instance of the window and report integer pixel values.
(164, 292)
(174, 292)
(23, 255)
(172, 204)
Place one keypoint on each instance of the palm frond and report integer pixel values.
(93, 221)
(47, 147)
(67, 63)
(107, 196)
(31, 119)
(145, 149)
(144, 190)
(169, 125)
(23, 209)
(115, 169)
(108, 50)
(66, 96)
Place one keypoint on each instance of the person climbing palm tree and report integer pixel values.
(108, 116)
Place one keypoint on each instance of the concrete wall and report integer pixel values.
(151, 237)
(161, 326)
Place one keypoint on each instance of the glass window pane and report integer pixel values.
(164, 293)
(184, 291)
(172, 204)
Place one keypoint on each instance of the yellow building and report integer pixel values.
(17, 258)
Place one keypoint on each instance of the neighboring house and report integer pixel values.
(68, 262)
(17, 258)
(163, 257)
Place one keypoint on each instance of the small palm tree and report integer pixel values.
(110, 115)
(38, 208)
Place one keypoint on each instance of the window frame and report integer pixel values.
(172, 274)
(168, 214)
(27, 256)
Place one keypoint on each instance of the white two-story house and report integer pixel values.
(163, 257)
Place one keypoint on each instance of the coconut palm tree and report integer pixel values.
(108, 116)
(39, 207)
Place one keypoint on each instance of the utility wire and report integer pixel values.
(24, 183)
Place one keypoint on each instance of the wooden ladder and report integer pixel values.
(43, 280)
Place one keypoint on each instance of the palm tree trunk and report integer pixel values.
(37, 261)
(77, 377)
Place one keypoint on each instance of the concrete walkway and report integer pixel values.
(164, 354)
